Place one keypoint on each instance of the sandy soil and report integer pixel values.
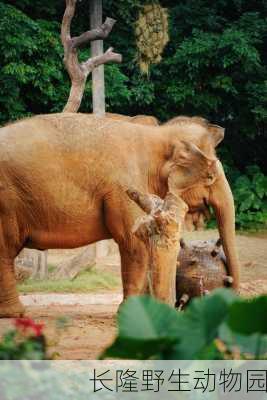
(87, 330)
(90, 320)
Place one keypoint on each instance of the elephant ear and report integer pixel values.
(189, 166)
(188, 155)
(217, 133)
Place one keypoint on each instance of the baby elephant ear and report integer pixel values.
(217, 133)
(188, 155)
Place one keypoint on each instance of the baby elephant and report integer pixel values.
(201, 267)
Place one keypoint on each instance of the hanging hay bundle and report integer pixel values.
(151, 35)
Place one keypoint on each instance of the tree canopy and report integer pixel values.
(214, 66)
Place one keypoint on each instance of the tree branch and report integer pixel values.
(149, 203)
(99, 33)
(108, 57)
(66, 22)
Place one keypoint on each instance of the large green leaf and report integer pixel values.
(150, 329)
(249, 316)
(147, 329)
(210, 352)
(254, 345)
(200, 323)
(141, 349)
(146, 318)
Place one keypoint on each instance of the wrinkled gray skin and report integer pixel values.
(63, 182)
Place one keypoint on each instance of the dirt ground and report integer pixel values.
(90, 320)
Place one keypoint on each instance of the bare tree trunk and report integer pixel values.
(160, 230)
(76, 95)
(98, 78)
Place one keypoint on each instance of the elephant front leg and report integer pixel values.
(120, 214)
(10, 305)
(10, 243)
(134, 262)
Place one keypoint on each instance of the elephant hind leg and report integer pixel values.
(10, 305)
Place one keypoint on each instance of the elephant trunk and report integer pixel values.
(221, 199)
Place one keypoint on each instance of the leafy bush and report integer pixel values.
(25, 342)
(250, 193)
(33, 77)
(218, 326)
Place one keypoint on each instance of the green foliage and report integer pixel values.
(212, 327)
(199, 325)
(246, 316)
(23, 343)
(250, 193)
(33, 79)
(30, 349)
(152, 336)
(31, 66)
(116, 91)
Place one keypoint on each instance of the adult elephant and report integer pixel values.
(63, 182)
